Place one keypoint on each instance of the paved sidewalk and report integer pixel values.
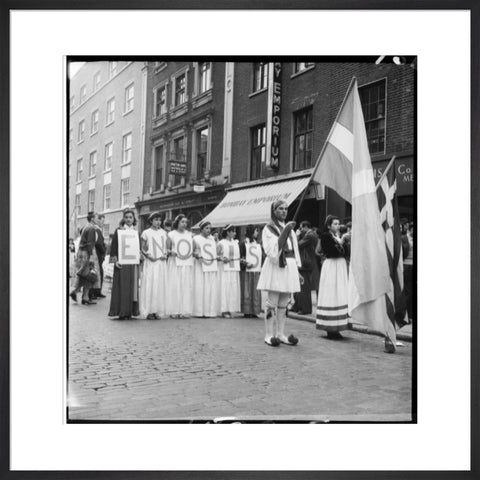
(205, 368)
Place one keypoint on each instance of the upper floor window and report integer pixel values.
(83, 93)
(91, 200)
(124, 191)
(112, 69)
(180, 89)
(160, 100)
(158, 167)
(79, 169)
(96, 81)
(72, 103)
(95, 117)
(110, 111)
(260, 76)
(107, 194)
(108, 156)
(78, 203)
(92, 164)
(81, 131)
(299, 67)
(205, 76)
(373, 105)
(303, 139)
(179, 154)
(70, 139)
(127, 148)
(202, 151)
(257, 154)
(129, 95)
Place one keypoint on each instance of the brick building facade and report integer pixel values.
(186, 113)
(106, 141)
(311, 95)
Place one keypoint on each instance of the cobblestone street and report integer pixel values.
(196, 368)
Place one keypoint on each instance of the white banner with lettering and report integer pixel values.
(254, 257)
(128, 247)
(208, 251)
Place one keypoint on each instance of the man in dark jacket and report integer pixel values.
(101, 250)
(85, 250)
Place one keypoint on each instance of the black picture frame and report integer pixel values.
(5, 267)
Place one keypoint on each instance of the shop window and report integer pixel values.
(258, 141)
(373, 100)
(303, 139)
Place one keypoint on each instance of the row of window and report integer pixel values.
(107, 197)
(373, 105)
(260, 73)
(107, 158)
(178, 153)
(110, 116)
(112, 71)
(177, 91)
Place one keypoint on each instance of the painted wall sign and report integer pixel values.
(178, 168)
(404, 173)
(274, 112)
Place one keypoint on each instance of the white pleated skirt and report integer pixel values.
(229, 290)
(153, 288)
(276, 279)
(205, 292)
(179, 289)
(332, 304)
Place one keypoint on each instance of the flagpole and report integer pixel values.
(384, 174)
(317, 163)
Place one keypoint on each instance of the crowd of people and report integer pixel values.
(185, 271)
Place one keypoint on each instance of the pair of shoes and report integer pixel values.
(151, 316)
(227, 315)
(88, 302)
(334, 335)
(273, 342)
(73, 296)
(156, 316)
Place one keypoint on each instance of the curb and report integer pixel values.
(356, 327)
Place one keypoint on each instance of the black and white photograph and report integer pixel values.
(241, 239)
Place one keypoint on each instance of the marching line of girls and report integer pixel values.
(182, 275)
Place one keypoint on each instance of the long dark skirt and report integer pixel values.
(250, 297)
(303, 299)
(124, 300)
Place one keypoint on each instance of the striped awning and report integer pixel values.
(251, 205)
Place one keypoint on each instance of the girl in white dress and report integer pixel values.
(205, 273)
(229, 272)
(180, 269)
(279, 276)
(153, 287)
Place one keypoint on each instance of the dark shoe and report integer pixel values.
(389, 346)
(151, 316)
(274, 342)
(101, 295)
(334, 335)
(73, 296)
(88, 302)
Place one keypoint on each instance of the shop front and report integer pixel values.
(195, 206)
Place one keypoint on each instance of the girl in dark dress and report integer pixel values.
(251, 298)
(332, 305)
(124, 300)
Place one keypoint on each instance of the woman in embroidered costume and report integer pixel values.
(279, 276)
(124, 299)
(332, 305)
(205, 273)
(229, 272)
(153, 287)
(180, 269)
(251, 298)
